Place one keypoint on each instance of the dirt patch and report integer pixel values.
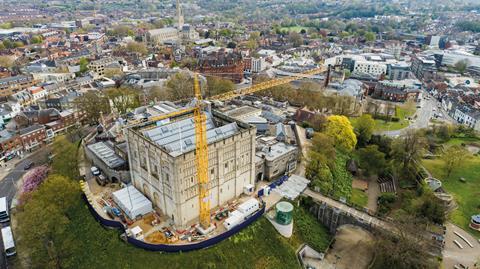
(473, 148)
(353, 246)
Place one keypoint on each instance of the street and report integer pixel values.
(9, 182)
(427, 109)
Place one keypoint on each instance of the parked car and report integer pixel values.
(28, 165)
(101, 180)
(95, 171)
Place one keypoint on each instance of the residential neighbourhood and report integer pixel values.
(248, 134)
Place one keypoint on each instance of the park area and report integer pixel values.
(81, 242)
(466, 192)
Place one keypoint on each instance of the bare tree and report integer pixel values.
(409, 147)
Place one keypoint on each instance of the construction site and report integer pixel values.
(193, 172)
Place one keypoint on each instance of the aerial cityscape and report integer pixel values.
(240, 134)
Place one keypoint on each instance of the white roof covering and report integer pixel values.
(132, 202)
(292, 187)
(179, 137)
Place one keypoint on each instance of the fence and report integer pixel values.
(175, 248)
(273, 185)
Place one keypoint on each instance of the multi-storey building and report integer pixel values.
(11, 85)
(162, 163)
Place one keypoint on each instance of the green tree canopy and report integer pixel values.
(369, 36)
(324, 145)
(372, 160)
(318, 172)
(83, 62)
(364, 128)
(43, 222)
(454, 158)
(36, 39)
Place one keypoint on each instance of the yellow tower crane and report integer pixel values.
(201, 143)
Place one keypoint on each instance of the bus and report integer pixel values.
(8, 242)
(4, 215)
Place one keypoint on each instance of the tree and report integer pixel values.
(324, 145)
(65, 158)
(6, 25)
(6, 61)
(36, 39)
(18, 44)
(94, 105)
(34, 178)
(454, 157)
(364, 128)
(369, 36)
(123, 99)
(372, 160)
(318, 172)
(406, 248)
(137, 47)
(431, 208)
(318, 122)
(43, 222)
(120, 31)
(112, 72)
(408, 148)
(8, 44)
(303, 31)
(180, 86)
(461, 66)
(340, 129)
(2, 47)
(216, 85)
(295, 38)
(83, 62)
(231, 45)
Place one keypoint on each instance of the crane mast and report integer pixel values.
(201, 155)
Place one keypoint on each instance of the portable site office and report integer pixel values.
(132, 202)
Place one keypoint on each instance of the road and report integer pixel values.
(423, 115)
(9, 183)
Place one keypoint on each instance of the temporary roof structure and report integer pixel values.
(132, 202)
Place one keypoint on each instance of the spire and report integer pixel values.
(179, 16)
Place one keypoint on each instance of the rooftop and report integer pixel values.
(179, 137)
(106, 154)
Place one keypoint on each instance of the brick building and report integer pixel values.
(32, 136)
(223, 64)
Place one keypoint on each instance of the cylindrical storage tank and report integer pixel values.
(284, 213)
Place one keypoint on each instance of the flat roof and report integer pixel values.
(106, 154)
(179, 137)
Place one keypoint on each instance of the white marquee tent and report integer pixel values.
(132, 202)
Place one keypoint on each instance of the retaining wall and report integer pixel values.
(175, 248)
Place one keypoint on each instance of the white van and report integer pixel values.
(4, 214)
(8, 242)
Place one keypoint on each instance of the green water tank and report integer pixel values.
(284, 213)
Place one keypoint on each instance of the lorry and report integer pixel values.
(4, 214)
(243, 211)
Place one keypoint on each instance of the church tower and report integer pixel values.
(180, 20)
